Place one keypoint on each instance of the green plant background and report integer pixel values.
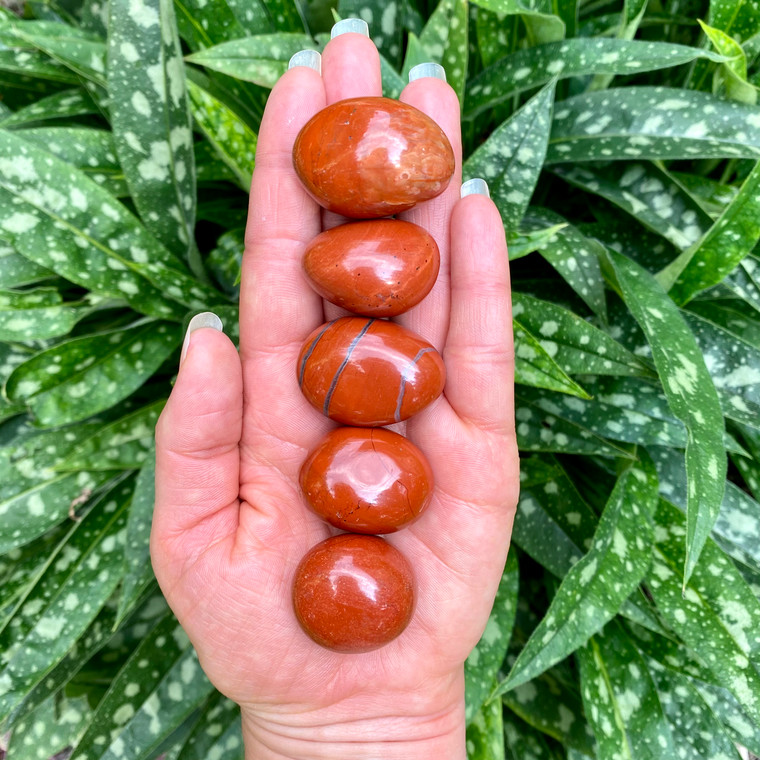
(621, 143)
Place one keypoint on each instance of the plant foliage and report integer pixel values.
(621, 142)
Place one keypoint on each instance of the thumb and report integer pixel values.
(197, 440)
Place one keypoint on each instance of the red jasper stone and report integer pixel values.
(353, 593)
(367, 480)
(372, 157)
(379, 268)
(369, 372)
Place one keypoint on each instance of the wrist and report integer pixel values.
(402, 726)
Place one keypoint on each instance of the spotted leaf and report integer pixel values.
(715, 613)
(538, 431)
(16, 270)
(123, 444)
(139, 575)
(262, 59)
(485, 733)
(652, 123)
(151, 118)
(596, 586)
(575, 345)
(55, 216)
(535, 66)
(384, 18)
(444, 38)
(80, 578)
(75, 102)
(621, 699)
(482, 665)
(37, 314)
(512, 157)
(233, 140)
(216, 734)
(144, 705)
(690, 393)
(546, 703)
(92, 372)
(649, 195)
(573, 255)
(721, 248)
(203, 24)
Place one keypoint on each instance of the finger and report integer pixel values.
(197, 458)
(479, 351)
(434, 97)
(277, 306)
(350, 62)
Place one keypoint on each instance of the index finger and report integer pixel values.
(277, 306)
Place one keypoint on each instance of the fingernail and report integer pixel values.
(475, 186)
(309, 58)
(422, 70)
(204, 319)
(346, 25)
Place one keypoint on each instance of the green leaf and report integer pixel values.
(552, 706)
(216, 734)
(123, 444)
(75, 102)
(596, 586)
(284, 14)
(262, 59)
(47, 211)
(144, 706)
(535, 66)
(384, 20)
(444, 38)
(655, 123)
(574, 256)
(690, 393)
(621, 699)
(485, 733)
(575, 345)
(649, 195)
(482, 665)
(716, 614)
(94, 372)
(233, 140)
(89, 150)
(692, 723)
(33, 497)
(512, 157)
(26, 64)
(393, 84)
(737, 528)
(734, 366)
(497, 36)
(733, 72)
(226, 260)
(712, 196)
(79, 50)
(538, 431)
(722, 247)
(203, 24)
(37, 314)
(16, 270)
(525, 743)
(52, 727)
(67, 598)
(151, 118)
(535, 366)
(139, 575)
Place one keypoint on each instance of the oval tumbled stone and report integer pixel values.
(371, 157)
(366, 480)
(353, 593)
(379, 268)
(369, 372)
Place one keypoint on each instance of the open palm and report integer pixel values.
(230, 526)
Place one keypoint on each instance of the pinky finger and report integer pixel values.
(479, 350)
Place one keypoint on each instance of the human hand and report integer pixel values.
(230, 526)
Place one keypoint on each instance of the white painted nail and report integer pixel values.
(204, 319)
(346, 25)
(309, 58)
(422, 70)
(475, 186)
